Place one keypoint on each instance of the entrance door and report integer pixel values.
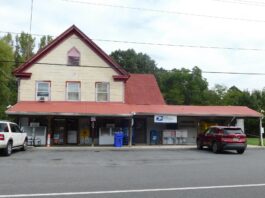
(59, 128)
(139, 131)
(72, 128)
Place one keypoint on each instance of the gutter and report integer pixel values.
(68, 114)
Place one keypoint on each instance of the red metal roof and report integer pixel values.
(143, 89)
(20, 71)
(121, 109)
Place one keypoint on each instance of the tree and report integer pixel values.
(24, 48)
(6, 53)
(8, 39)
(134, 62)
(184, 86)
(44, 40)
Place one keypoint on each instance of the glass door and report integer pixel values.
(59, 131)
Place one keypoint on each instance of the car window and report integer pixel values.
(215, 131)
(15, 128)
(3, 127)
(228, 131)
(209, 131)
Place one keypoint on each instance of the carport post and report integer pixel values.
(261, 131)
(130, 131)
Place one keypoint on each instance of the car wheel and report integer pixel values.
(199, 145)
(240, 151)
(25, 146)
(215, 148)
(8, 149)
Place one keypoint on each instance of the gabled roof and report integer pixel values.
(122, 109)
(20, 71)
(143, 89)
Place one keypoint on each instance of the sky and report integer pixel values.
(181, 22)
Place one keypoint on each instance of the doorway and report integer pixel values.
(139, 131)
(59, 128)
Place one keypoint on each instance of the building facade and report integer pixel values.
(72, 92)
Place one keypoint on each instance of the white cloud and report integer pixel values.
(54, 16)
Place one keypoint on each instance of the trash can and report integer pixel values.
(118, 139)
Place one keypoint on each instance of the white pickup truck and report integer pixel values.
(11, 137)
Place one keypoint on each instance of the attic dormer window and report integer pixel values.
(73, 57)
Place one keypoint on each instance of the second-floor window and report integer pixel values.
(43, 90)
(102, 92)
(73, 56)
(73, 91)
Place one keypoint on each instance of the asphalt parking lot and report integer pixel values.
(133, 173)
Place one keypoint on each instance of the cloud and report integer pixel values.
(54, 16)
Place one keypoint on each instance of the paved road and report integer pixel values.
(140, 173)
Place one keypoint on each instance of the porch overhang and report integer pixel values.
(116, 109)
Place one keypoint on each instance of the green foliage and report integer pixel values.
(44, 40)
(254, 141)
(134, 62)
(6, 53)
(184, 86)
(24, 48)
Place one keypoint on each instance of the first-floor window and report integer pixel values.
(73, 91)
(43, 90)
(102, 91)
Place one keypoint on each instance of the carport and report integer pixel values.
(92, 119)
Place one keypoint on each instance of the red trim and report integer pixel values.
(120, 78)
(23, 75)
(20, 71)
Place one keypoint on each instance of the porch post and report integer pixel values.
(49, 131)
(93, 131)
(130, 131)
(261, 131)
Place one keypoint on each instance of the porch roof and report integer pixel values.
(126, 110)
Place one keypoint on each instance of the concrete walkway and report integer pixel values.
(125, 148)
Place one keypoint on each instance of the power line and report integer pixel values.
(102, 67)
(55, 64)
(164, 11)
(252, 3)
(237, 73)
(161, 44)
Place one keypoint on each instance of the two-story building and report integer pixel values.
(72, 92)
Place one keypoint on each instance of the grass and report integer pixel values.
(254, 141)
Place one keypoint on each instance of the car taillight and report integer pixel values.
(2, 137)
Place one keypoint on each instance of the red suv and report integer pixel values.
(219, 138)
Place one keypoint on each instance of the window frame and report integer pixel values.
(67, 92)
(37, 87)
(108, 91)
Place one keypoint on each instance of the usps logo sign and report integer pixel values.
(165, 119)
